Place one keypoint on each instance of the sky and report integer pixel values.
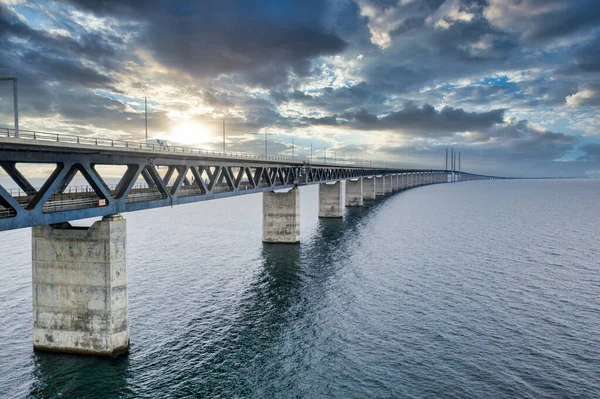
(514, 85)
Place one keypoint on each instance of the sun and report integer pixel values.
(189, 133)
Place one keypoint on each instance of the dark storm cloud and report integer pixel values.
(425, 54)
(428, 121)
(515, 146)
(50, 66)
(264, 41)
(48, 57)
(520, 141)
(338, 100)
(544, 19)
(425, 121)
(324, 121)
(98, 48)
(584, 61)
(294, 95)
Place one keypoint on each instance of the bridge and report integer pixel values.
(80, 273)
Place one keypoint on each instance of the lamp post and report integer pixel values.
(146, 116)
(15, 103)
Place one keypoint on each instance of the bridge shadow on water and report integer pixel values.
(242, 350)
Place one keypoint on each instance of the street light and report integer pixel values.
(15, 104)
(266, 151)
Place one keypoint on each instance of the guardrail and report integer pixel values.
(104, 142)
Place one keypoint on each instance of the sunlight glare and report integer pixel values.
(191, 134)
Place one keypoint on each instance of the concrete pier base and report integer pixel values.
(395, 182)
(80, 288)
(354, 192)
(330, 200)
(388, 184)
(369, 185)
(380, 182)
(281, 217)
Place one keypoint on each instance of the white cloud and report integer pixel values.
(582, 97)
(450, 12)
(516, 15)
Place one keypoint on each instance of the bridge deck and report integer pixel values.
(191, 175)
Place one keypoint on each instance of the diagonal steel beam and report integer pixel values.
(181, 170)
(12, 171)
(128, 180)
(213, 176)
(198, 179)
(227, 177)
(249, 176)
(95, 181)
(168, 175)
(10, 201)
(148, 178)
(156, 179)
(50, 186)
(68, 179)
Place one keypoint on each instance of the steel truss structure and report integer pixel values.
(186, 178)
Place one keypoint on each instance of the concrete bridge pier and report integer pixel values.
(395, 182)
(380, 185)
(354, 192)
(369, 188)
(80, 288)
(330, 200)
(388, 184)
(281, 217)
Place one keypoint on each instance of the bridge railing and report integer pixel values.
(104, 142)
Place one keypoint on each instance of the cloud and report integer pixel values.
(592, 152)
(263, 41)
(537, 20)
(500, 78)
(584, 97)
(424, 121)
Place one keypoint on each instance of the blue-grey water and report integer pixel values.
(473, 290)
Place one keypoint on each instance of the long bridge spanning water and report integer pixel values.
(80, 274)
